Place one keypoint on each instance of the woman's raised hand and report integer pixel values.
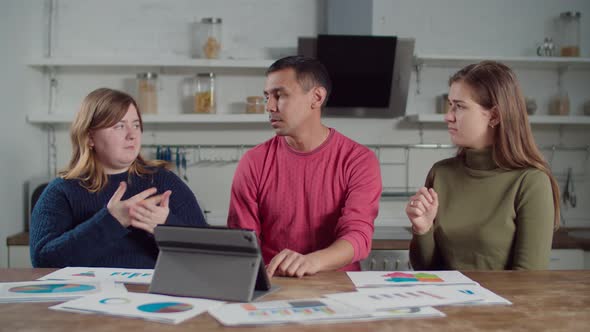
(421, 209)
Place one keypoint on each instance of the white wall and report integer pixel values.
(477, 27)
(261, 29)
(21, 155)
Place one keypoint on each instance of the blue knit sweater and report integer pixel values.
(72, 227)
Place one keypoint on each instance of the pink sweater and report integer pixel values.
(306, 201)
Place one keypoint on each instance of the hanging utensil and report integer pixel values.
(569, 194)
(572, 193)
(177, 159)
(185, 177)
(168, 154)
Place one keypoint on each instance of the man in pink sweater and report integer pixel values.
(310, 193)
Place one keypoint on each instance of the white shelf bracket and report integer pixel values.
(51, 151)
(421, 132)
(418, 66)
(53, 86)
(561, 70)
(407, 157)
(49, 13)
(560, 130)
(551, 156)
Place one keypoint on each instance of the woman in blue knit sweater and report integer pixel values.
(103, 208)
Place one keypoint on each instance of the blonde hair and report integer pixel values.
(494, 84)
(102, 108)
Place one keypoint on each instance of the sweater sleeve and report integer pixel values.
(356, 223)
(184, 208)
(243, 205)
(423, 255)
(534, 222)
(56, 241)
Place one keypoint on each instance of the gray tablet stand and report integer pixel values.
(212, 262)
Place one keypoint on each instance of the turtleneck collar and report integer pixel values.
(480, 159)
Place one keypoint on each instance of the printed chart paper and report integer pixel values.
(403, 297)
(418, 312)
(408, 278)
(51, 291)
(286, 311)
(489, 297)
(160, 308)
(129, 276)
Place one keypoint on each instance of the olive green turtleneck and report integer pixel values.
(488, 218)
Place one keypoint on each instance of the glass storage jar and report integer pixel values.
(560, 104)
(147, 92)
(205, 93)
(255, 104)
(210, 37)
(569, 31)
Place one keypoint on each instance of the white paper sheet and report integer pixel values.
(160, 308)
(377, 299)
(420, 312)
(408, 278)
(489, 297)
(286, 311)
(51, 291)
(129, 276)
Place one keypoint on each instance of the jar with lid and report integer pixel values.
(560, 104)
(205, 93)
(147, 92)
(209, 37)
(569, 31)
(255, 104)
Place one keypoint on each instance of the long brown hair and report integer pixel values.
(102, 108)
(494, 84)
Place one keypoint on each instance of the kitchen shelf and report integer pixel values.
(533, 62)
(154, 62)
(40, 118)
(533, 119)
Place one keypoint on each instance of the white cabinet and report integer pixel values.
(387, 260)
(19, 257)
(566, 259)
(399, 260)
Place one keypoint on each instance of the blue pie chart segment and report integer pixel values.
(52, 288)
(165, 307)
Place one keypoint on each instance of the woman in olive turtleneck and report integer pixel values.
(495, 205)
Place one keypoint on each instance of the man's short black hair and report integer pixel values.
(308, 71)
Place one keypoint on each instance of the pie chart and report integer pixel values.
(165, 307)
(52, 288)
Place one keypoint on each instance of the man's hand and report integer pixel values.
(289, 263)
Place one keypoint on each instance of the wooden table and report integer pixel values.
(542, 301)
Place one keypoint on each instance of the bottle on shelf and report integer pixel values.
(147, 92)
(204, 94)
(569, 29)
(560, 105)
(255, 104)
(208, 38)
